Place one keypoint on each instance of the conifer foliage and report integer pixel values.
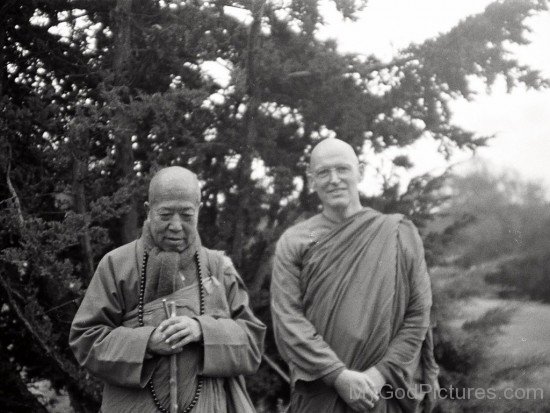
(95, 95)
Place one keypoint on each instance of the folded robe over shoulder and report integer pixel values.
(353, 295)
(106, 339)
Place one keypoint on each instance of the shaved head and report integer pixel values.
(173, 208)
(171, 181)
(335, 173)
(332, 147)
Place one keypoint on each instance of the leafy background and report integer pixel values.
(96, 95)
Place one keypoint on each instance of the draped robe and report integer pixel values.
(107, 340)
(353, 295)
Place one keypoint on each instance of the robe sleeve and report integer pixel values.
(110, 351)
(308, 356)
(403, 354)
(232, 346)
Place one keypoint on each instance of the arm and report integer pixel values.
(232, 346)
(100, 343)
(307, 354)
(402, 356)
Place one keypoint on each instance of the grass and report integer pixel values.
(474, 330)
(492, 321)
(514, 369)
(456, 283)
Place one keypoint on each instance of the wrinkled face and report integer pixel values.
(173, 219)
(335, 177)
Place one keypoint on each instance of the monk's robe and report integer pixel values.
(353, 295)
(107, 340)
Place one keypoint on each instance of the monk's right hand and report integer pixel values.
(356, 390)
(157, 344)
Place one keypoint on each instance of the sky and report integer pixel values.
(520, 121)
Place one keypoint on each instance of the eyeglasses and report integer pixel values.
(324, 174)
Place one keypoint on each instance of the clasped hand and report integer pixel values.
(359, 389)
(173, 334)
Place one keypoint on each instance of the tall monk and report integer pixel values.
(351, 300)
(121, 334)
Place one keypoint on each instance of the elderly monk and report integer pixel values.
(351, 300)
(120, 332)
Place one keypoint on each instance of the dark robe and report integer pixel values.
(353, 295)
(106, 339)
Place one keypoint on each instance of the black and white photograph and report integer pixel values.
(275, 206)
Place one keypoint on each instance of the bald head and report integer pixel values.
(174, 181)
(332, 147)
(173, 208)
(335, 173)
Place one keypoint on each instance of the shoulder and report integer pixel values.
(393, 220)
(121, 258)
(403, 227)
(397, 222)
(219, 262)
(221, 267)
(302, 226)
(409, 239)
(406, 228)
(298, 233)
(214, 257)
(124, 252)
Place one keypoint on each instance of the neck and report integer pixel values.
(340, 214)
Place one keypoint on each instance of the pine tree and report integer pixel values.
(97, 95)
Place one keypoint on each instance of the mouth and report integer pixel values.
(336, 191)
(174, 240)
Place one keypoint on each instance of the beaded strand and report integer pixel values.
(150, 384)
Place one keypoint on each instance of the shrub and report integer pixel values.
(525, 277)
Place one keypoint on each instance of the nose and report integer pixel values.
(334, 177)
(175, 224)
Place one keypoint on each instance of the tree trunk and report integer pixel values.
(79, 173)
(251, 127)
(124, 153)
(2, 59)
(15, 395)
(65, 367)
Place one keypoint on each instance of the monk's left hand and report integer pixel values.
(376, 379)
(180, 330)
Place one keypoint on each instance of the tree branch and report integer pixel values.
(14, 195)
(64, 366)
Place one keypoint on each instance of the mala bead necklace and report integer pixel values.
(150, 384)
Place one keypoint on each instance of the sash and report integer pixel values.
(356, 292)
